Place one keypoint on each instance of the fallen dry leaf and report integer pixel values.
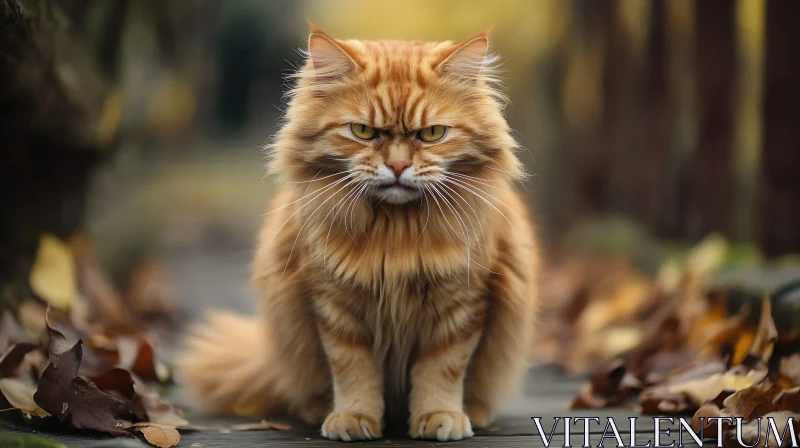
(19, 394)
(107, 307)
(701, 390)
(63, 336)
(137, 354)
(158, 410)
(11, 360)
(263, 424)
(61, 339)
(70, 398)
(52, 276)
(766, 335)
(162, 436)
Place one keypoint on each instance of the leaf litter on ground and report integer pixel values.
(77, 354)
(673, 345)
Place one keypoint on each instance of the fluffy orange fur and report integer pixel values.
(397, 276)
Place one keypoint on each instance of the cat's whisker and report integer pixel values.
(447, 204)
(334, 207)
(467, 188)
(350, 209)
(428, 208)
(447, 220)
(464, 229)
(463, 183)
(350, 194)
(309, 194)
(321, 178)
(467, 176)
(304, 205)
(471, 179)
(289, 258)
(471, 224)
(477, 218)
(460, 222)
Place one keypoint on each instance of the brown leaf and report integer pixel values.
(162, 436)
(704, 382)
(263, 424)
(63, 336)
(137, 354)
(71, 399)
(117, 381)
(158, 410)
(752, 402)
(11, 360)
(607, 388)
(108, 308)
(766, 335)
(789, 400)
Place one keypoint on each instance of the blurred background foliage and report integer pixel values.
(639, 117)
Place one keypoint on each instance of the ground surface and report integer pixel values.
(211, 278)
(547, 395)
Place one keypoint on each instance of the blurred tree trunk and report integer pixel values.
(679, 137)
(57, 123)
(647, 169)
(780, 196)
(707, 206)
(596, 162)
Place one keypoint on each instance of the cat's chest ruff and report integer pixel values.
(384, 265)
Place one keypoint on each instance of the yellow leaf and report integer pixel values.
(742, 346)
(19, 394)
(162, 436)
(52, 277)
(701, 390)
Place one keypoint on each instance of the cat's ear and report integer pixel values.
(466, 60)
(329, 58)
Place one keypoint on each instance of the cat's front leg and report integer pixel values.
(357, 379)
(436, 403)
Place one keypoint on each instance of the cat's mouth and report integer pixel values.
(396, 193)
(399, 185)
(396, 186)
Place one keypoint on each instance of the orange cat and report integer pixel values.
(397, 270)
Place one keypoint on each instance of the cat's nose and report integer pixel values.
(398, 167)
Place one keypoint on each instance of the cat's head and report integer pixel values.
(396, 120)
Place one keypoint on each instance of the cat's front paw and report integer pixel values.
(350, 426)
(442, 426)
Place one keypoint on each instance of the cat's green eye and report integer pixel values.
(432, 133)
(363, 131)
